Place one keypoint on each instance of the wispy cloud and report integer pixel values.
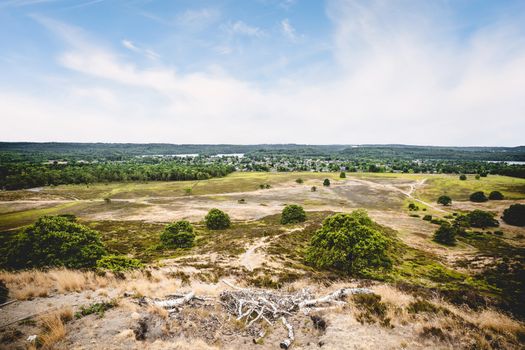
(288, 30)
(128, 44)
(242, 28)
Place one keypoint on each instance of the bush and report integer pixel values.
(299, 181)
(326, 182)
(496, 196)
(446, 234)
(482, 219)
(514, 215)
(313, 189)
(217, 220)
(342, 175)
(444, 200)
(427, 217)
(413, 207)
(118, 263)
(463, 177)
(478, 177)
(178, 235)
(351, 243)
(293, 214)
(56, 241)
(478, 197)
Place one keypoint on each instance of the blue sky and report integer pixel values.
(443, 72)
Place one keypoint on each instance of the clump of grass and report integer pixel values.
(185, 279)
(96, 308)
(54, 329)
(372, 310)
(422, 306)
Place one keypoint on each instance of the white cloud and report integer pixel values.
(394, 84)
(128, 44)
(288, 30)
(241, 28)
(198, 17)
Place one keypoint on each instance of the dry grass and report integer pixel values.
(54, 328)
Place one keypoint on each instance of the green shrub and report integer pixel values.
(178, 235)
(482, 219)
(293, 214)
(496, 196)
(299, 181)
(351, 243)
(313, 189)
(96, 308)
(427, 217)
(118, 263)
(217, 220)
(444, 200)
(446, 234)
(478, 177)
(463, 177)
(342, 175)
(413, 207)
(55, 241)
(478, 197)
(515, 215)
(326, 182)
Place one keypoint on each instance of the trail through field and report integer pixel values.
(256, 255)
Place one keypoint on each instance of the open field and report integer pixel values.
(483, 271)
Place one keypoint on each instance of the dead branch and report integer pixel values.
(285, 344)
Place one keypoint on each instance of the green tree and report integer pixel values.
(342, 175)
(179, 234)
(444, 200)
(446, 234)
(351, 243)
(292, 214)
(478, 197)
(326, 182)
(56, 241)
(496, 196)
(463, 177)
(515, 215)
(482, 219)
(217, 220)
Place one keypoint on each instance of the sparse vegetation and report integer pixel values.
(463, 177)
(326, 182)
(96, 308)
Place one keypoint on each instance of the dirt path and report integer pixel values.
(256, 255)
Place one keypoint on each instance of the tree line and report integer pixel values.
(15, 176)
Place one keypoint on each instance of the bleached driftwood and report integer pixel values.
(173, 303)
(253, 305)
(285, 344)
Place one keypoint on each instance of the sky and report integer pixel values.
(436, 72)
